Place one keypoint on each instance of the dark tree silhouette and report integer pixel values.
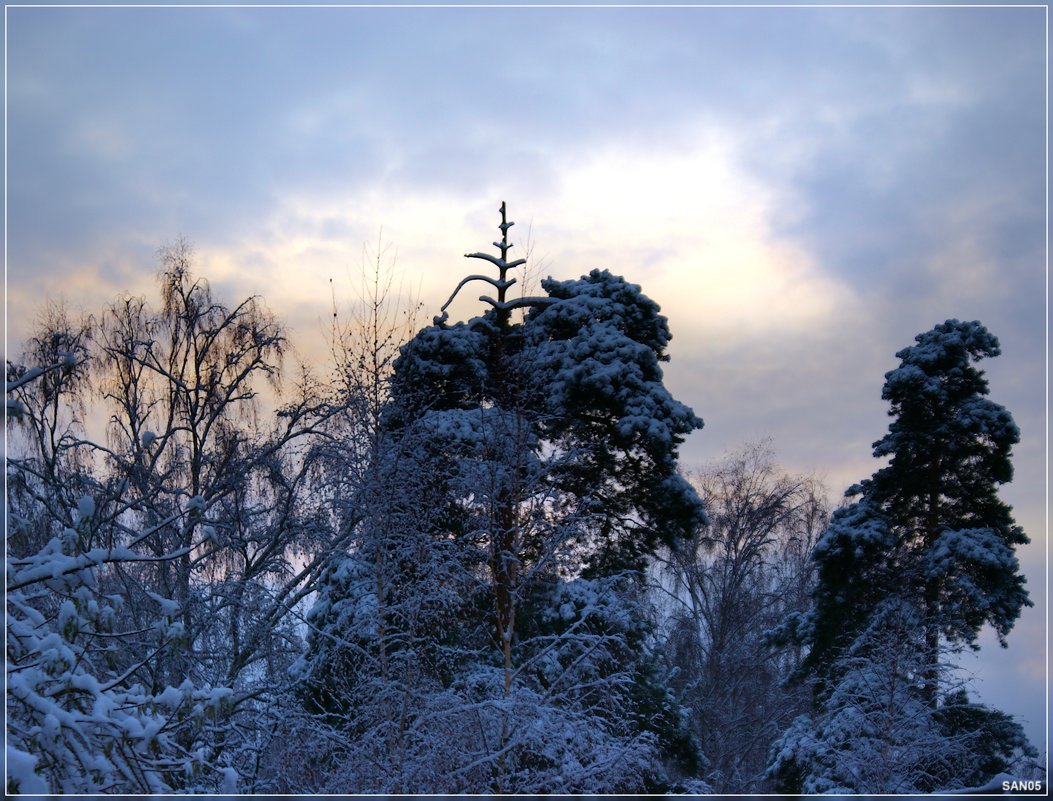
(532, 452)
(907, 574)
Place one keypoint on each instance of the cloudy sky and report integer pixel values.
(802, 190)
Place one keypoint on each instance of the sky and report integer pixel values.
(802, 190)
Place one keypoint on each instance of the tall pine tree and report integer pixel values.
(546, 444)
(925, 555)
(929, 527)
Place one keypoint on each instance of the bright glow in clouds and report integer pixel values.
(692, 227)
(695, 229)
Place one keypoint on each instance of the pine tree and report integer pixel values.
(581, 377)
(928, 538)
(873, 730)
(573, 395)
(929, 526)
(534, 468)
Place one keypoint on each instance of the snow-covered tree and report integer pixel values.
(213, 503)
(388, 605)
(574, 395)
(79, 718)
(721, 591)
(587, 710)
(581, 374)
(926, 536)
(929, 525)
(875, 732)
(517, 453)
(391, 619)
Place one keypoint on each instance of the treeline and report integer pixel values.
(464, 559)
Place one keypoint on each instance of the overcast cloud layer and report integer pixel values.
(802, 190)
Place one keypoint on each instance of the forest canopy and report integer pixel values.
(465, 558)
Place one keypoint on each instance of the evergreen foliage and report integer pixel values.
(929, 526)
(582, 373)
(527, 470)
(916, 565)
(873, 730)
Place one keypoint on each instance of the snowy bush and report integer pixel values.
(875, 732)
(78, 720)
